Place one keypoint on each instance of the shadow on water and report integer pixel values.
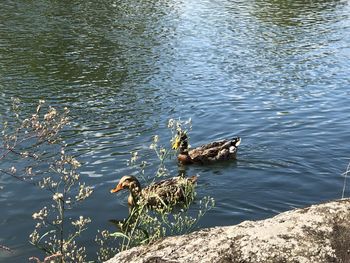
(285, 13)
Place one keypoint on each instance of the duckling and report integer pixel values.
(166, 192)
(212, 152)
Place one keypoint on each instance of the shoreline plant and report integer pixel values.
(32, 150)
(145, 225)
(39, 156)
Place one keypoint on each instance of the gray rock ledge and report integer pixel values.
(319, 233)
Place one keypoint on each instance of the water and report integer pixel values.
(274, 72)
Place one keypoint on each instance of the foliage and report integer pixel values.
(178, 127)
(145, 225)
(39, 156)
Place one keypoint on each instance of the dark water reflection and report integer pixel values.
(274, 72)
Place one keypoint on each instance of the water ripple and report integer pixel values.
(274, 72)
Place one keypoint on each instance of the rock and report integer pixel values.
(320, 233)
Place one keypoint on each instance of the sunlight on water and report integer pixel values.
(275, 73)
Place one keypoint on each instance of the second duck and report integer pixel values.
(212, 152)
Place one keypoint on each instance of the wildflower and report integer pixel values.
(75, 163)
(26, 123)
(35, 216)
(81, 222)
(24, 154)
(51, 114)
(152, 146)
(46, 182)
(134, 157)
(34, 237)
(171, 123)
(57, 196)
(155, 138)
(84, 192)
(41, 215)
(29, 170)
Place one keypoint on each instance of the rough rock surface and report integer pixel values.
(320, 233)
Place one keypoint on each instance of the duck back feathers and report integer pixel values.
(211, 152)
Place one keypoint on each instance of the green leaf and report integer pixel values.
(119, 234)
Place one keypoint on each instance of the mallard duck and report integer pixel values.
(208, 153)
(166, 192)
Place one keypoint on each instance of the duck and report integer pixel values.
(209, 153)
(159, 194)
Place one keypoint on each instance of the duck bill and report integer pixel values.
(116, 189)
(176, 143)
(175, 146)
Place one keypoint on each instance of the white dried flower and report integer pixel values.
(46, 182)
(81, 222)
(171, 123)
(29, 170)
(75, 163)
(155, 138)
(25, 154)
(35, 216)
(51, 114)
(57, 196)
(152, 146)
(134, 157)
(84, 192)
(34, 237)
(105, 233)
(41, 215)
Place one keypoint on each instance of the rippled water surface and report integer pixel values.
(275, 72)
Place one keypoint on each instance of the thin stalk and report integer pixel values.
(61, 213)
(345, 177)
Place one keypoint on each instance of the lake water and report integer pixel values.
(275, 72)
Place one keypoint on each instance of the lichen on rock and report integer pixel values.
(319, 234)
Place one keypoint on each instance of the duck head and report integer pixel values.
(237, 141)
(181, 141)
(127, 182)
(234, 144)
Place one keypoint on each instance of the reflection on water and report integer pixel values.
(273, 72)
(297, 13)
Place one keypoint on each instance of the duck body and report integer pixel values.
(209, 153)
(166, 192)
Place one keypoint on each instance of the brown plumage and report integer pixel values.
(166, 192)
(212, 152)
